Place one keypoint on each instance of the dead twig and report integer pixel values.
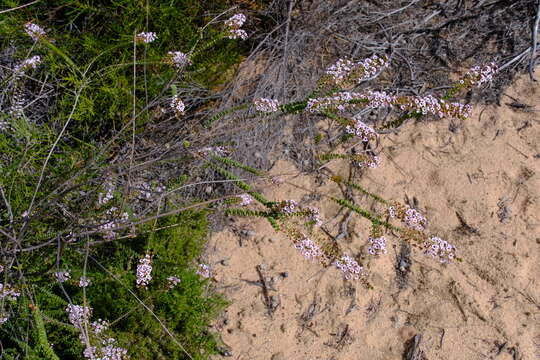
(534, 41)
(267, 299)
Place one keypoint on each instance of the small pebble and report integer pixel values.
(284, 274)
(225, 262)
(208, 189)
(262, 266)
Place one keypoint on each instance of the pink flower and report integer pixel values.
(308, 249)
(234, 24)
(62, 276)
(266, 105)
(362, 130)
(146, 37)
(377, 246)
(177, 105)
(144, 270)
(349, 267)
(84, 281)
(173, 281)
(204, 271)
(345, 69)
(78, 314)
(246, 199)
(34, 31)
(480, 75)
(439, 248)
(178, 58)
(289, 206)
(414, 220)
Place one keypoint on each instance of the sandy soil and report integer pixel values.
(485, 171)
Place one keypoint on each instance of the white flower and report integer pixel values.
(143, 271)
(177, 105)
(78, 314)
(349, 267)
(84, 281)
(377, 246)
(234, 24)
(62, 276)
(146, 37)
(238, 34)
(204, 271)
(246, 199)
(266, 105)
(308, 249)
(173, 281)
(178, 58)
(34, 31)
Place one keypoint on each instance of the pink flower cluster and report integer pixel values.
(84, 281)
(371, 162)
(414, 220)
(79, 315)
(109, 225)
(107, 351)
(339, 101)
(347, 70)
(378, 99)
(146, 37)
(431, 105)
(308, 249)
(234, 24)
(144, 269)
(480, 75)
(361, 130)
(349, 267)
(204, 271)
(34, 31)
(26, 64)
(266, 105)
(441, 249)
(340, 70)
(245, 199)
(346, 99)
(178, 58)
(289, 206)
(377, 245)
(177, 105)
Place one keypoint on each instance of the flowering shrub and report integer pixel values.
(88, 195)
(77, 112)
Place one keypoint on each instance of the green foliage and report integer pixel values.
(56, 167)
(185, 309)
(241, 184)
(364, 213)
(97, 39)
